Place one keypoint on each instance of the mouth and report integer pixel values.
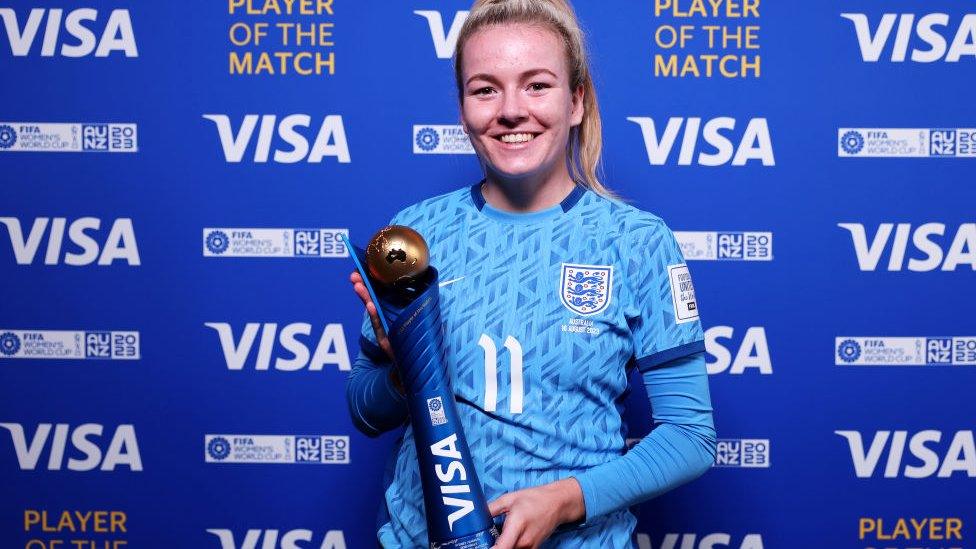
(516, 138)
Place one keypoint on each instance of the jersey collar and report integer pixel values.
(567, 203)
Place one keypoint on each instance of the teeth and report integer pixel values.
(517, 137)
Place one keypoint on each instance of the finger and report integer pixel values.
(355, 277)
(387, 347)
(374, 320)
(531, 538)
(500, 505)
(511, 531)
(371, 309)
(362, 292)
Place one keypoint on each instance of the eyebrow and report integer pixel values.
(527, 74)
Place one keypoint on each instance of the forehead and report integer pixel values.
(510, 49)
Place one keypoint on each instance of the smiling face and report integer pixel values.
(516, 101)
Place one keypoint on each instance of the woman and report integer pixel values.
(551, 291)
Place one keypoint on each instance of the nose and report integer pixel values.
(513, 109)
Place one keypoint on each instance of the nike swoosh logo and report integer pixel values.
(451, 281)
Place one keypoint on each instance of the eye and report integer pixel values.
(538, 86)
(486, 90)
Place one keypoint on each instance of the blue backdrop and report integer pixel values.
(176, 324)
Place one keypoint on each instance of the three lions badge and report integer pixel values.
(585, 289)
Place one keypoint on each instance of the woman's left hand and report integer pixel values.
(533, 513)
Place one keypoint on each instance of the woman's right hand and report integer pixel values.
(384, 342)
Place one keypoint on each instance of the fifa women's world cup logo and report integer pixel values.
(396, 272)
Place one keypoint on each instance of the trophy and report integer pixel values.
(396, 271)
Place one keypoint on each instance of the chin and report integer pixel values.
(516, 172)
(517, 168)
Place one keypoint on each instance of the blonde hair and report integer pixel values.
(585, 140)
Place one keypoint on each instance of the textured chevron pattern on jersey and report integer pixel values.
(539, 386)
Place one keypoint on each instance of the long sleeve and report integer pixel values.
(375, 405)
(679, 449)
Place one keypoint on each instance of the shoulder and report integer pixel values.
(433, 210)
(621, 220)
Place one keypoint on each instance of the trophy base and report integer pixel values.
(480, 540)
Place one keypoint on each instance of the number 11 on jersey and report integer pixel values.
(491, 373)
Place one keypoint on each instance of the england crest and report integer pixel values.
(585, 289)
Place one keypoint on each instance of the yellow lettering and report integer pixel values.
(746, 65)
(721, 66)
(316, 34)
(298, 67)
(731, 9)
(918, 527)
(708, 59)
(750, 8)
(83, 519)
(283, 57)
(235, 34)
(901, 530)
(240, 65)
(45, 527)
(99, 525)
(319, 63)
(299, 34)
(732, 37)
(31, 518)
(713, 8)
(291, 7)
(881, 534)
(65, 523)
(284, 31)
(660, 42)
(304, 63)
(689, 66)
(325, 35)
(752, 37)
(864, 526)
(662, 69)
(742, 37)
(271, 5)
(953, 528)
(264, 64)
(118, 519)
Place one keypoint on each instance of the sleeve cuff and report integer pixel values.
(395, 393)
(586, 483)
(654, 360)
(372, 351)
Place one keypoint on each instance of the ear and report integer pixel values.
(576, 116)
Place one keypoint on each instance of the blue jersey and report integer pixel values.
(544, 314)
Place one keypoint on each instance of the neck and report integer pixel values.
(527, 194)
